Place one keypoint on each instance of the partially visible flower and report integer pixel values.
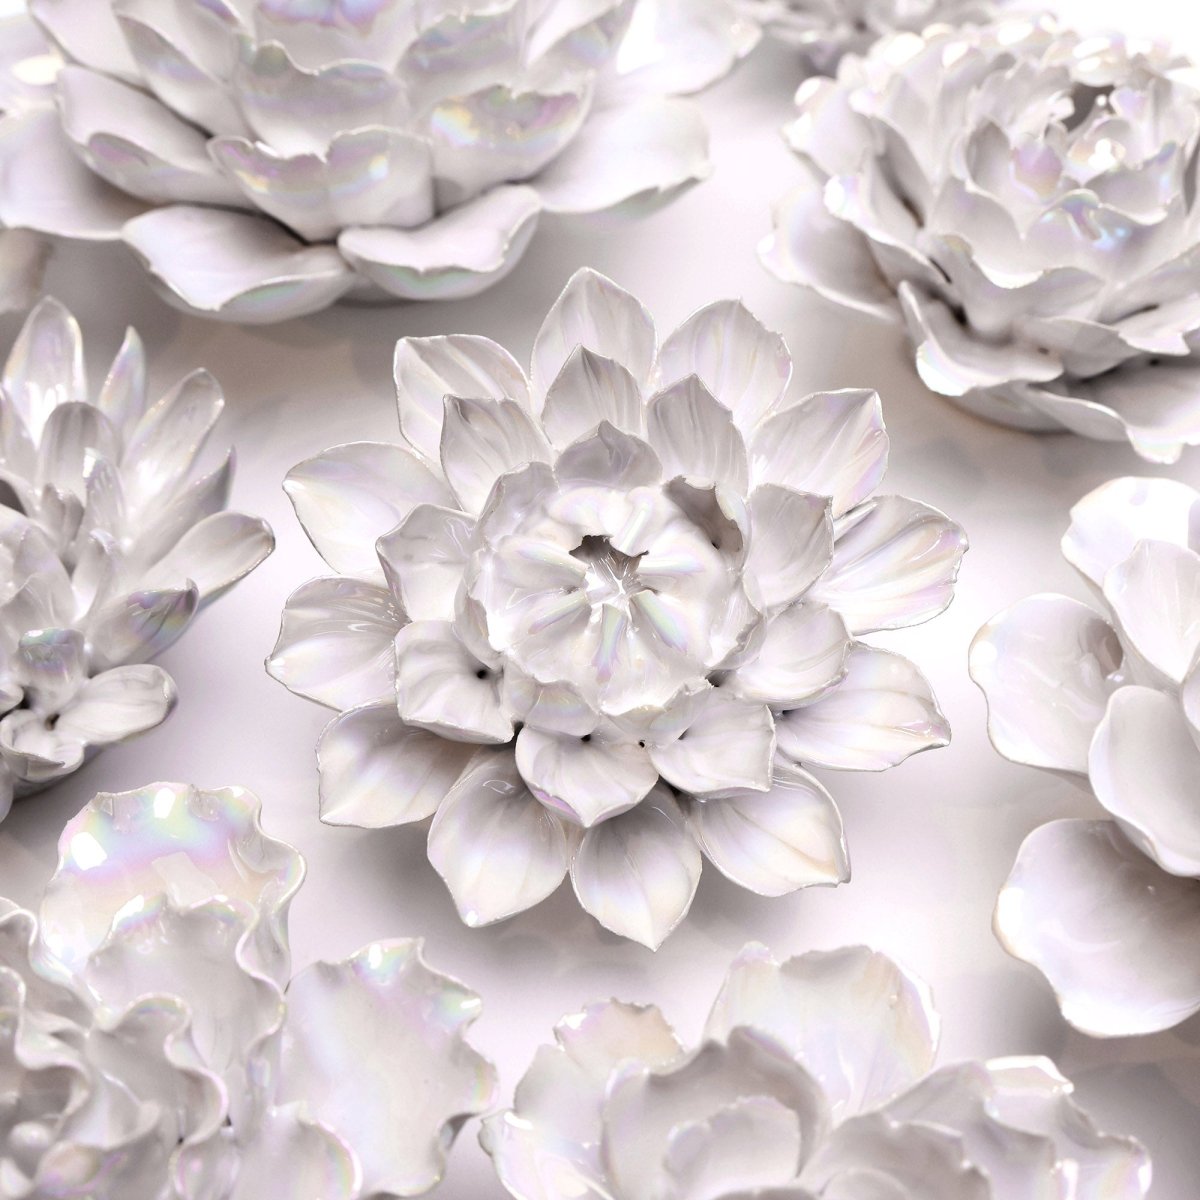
(600, 619)
(1109, 910)
(153, 1046)
(1025, 197)
(110, 542)
(265, 157)
(814, 1081)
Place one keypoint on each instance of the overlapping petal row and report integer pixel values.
(264, 158)
(601, 618)
(1109, 909)
(113, 535)
(155, 1045)
(814, 1078)
(1026, 198)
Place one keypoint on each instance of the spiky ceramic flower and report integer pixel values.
(155, 1044)
(814, 1079)
(1025, 197)
(266, 157)
(600, 618)
(111, 540)
(1109, 910)
(827, 30)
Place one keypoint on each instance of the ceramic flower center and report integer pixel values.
(612, 577)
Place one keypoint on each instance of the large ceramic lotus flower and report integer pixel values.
(265, 157)
(1109, 910)
(813, 1081)
(600, 619)
(111, 540)
(154, 1045)
(1025, 196)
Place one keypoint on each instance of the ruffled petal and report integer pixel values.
(499, 850)
(1044, 666)
(879, 715)
(460, 253)
(791, 544)
(335, 643)
(376, 772)
(350, 495)
(694, 435)
(895, 561)
(1077, 906)
(636, 873)
(777, 841)
(292, 1154)
(235, 266)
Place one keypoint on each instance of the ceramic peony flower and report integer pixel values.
(266, 157)
(111, 540)
(1023, 196)
(1109, 910)
(814, 1079)
(600, 619)
(155, 1045)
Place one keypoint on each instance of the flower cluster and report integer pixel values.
(153, 1044)
(1025, 197)
(266, 158)
(813, 1080)
(600, 619)
(110, 542)
(1111, 697)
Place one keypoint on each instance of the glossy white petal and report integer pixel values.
(591, 389)
(694, 435)
(45, 368)
(214, 554)
(117, 704)
(375, 771)
(423, 559)
(636, 873)
(791, 544)
(802, 655)
(292, 1152)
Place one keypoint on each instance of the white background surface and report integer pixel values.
(930, 842)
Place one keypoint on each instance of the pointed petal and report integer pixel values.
(609, 458)
(774, 842)
(45, 368)
(424, 558)
(791, 544)
(879, 715)
(138, 626)
(694, 435)
(214, 554)
(1077, 906)
(429, 369)
(1044, 666)
(831, 444)
(235, 266)
(122, 395)
(499, 850)
(802, 656)
(593, 312)
(88, 32)
(376, 772)
(349, 496)
(637, 873)
(459, 253)
(589, 390)
(895, 561)
(118, 704)
(335, 642)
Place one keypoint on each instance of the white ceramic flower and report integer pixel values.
(814, 1079)
(154, 1045)
(1023, 195)
(111, 540)
(827, 30)
(1109, 910)
(599, 619)
(266, 157)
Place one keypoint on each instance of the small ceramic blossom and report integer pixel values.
(601, 618)
(1109, 910)
(154, 1044)
(112, 538)
(814, 1081)
(266, 157)
(1023, 196)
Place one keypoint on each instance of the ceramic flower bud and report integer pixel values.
(1109, 694)
(1023, 198)
(264, 158)
(155, 1044)
(113, 535)
(601, 618)
(814, 1078)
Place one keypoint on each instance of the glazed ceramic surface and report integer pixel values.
(947, 823)
(814, 1078)
(1023, 195)
(155, 1043)
(601, 618)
